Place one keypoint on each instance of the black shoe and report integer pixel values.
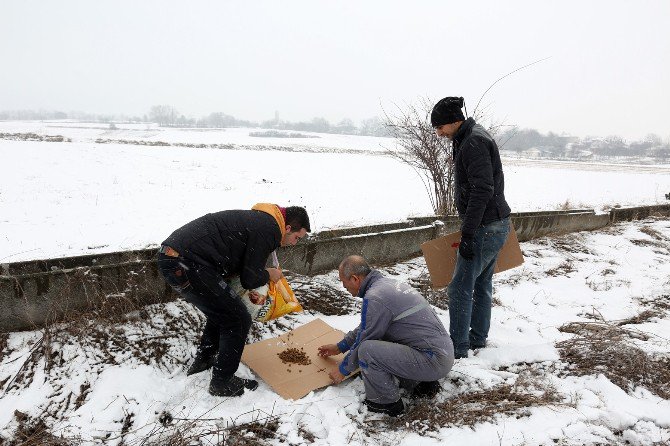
(477, 346)
(460, 355)
(233, 386)
(390, 409)
(201, 363)
(426, 389)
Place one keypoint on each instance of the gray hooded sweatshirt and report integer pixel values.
(395, 312)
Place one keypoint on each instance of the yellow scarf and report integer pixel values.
(273, 210)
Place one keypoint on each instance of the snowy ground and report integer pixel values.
(81, 197)
(125, 383)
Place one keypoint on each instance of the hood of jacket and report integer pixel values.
(273, 210)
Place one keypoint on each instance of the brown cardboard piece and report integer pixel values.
(261, 357)
(440, 255)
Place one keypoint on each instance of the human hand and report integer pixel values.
(256, 298)
(466, 247)
(329, 350)
(275, 274)
(336, 376)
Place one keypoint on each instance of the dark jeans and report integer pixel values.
(471, 289)
(228, 321)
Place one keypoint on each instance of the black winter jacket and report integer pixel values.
(232, 242)
(480, 184)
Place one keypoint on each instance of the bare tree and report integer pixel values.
(164, 115)
(431, 156)
(423, 150)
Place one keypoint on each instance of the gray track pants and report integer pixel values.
(386, 365)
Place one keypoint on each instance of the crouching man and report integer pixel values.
(399, 342)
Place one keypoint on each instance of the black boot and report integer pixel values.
(233, 386)
(390, 409)
(426, 389)
(202, 362)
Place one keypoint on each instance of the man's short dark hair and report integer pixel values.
(297, 218)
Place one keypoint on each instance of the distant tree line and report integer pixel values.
(169, 116)
(38, 115)
(533, 143)
(530, 142)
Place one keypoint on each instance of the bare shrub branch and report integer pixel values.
(421, 149)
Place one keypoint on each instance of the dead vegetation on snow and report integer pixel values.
(33, 137)
(262, 429)
(319, 297)
(436, 297)
(470, 408)
(602, 347)
(153, 336)
(34, 432)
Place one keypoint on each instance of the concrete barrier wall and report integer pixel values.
(35, 292)
(638, 213)
(317, 256)
(530, 225)
(537, 225)
(29, 301)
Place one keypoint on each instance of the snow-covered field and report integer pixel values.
(125, 383)
(81, 197)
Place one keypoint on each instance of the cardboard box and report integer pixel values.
(440, 255)
(295, 381)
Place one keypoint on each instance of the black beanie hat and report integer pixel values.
(446, 111)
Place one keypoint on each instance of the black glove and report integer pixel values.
(466, 247)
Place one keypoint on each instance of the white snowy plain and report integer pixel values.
(62, 199)
(80, 197)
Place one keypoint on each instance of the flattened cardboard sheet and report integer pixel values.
(440, 255)
(295, 381)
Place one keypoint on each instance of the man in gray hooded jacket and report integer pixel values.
(399, 342)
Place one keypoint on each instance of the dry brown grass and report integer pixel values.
(34, 137)
(4, 337)
(653, 233)
(567, 243)
(658, 303)
(318, 297)
(564, 269)
(644, 316)
(34, 432)
(109, 342)
(604, 348)
(438, 298)
(646, 243)
(153, 336)
(261, 430)
(306, 434)
(470, 408)
(254, 433)
(518, 277)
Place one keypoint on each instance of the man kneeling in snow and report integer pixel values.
(399, 342)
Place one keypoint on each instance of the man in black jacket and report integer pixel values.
(198, 259)
(479, 195)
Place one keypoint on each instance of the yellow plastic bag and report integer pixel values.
(279, 300)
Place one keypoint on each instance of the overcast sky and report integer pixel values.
(607, 72)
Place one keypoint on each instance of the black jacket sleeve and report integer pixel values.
(259, 246)
(479, 171)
